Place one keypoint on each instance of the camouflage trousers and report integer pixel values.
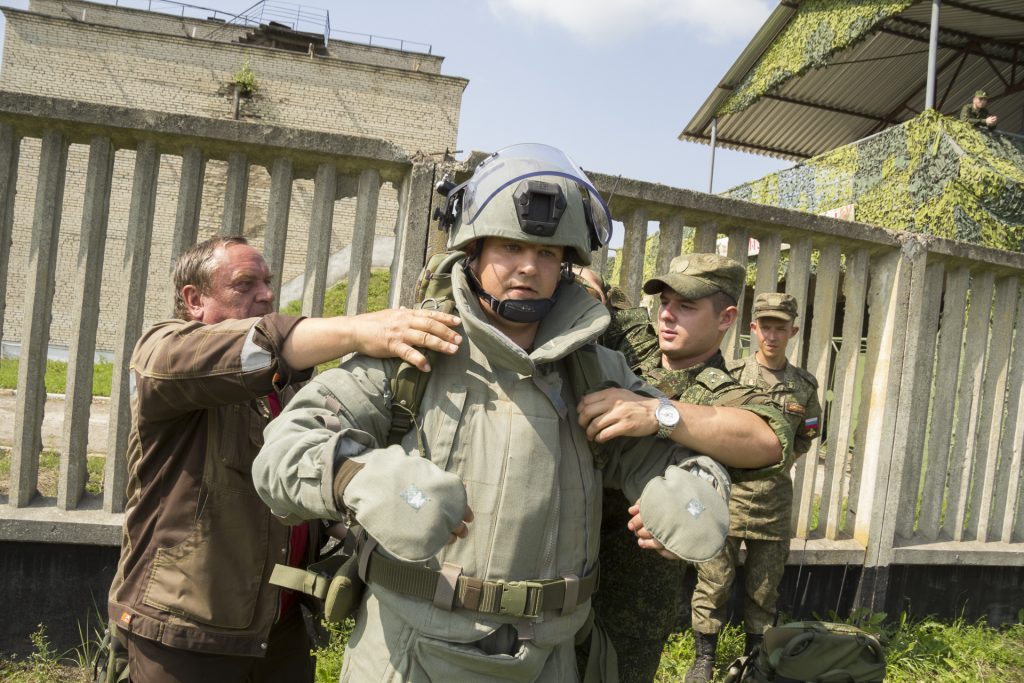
(640, 597)
(762, 571)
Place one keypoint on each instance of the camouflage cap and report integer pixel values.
(981, 95)
(774, 305)
(695, 276)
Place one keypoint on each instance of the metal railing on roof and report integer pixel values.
(382, 41)
(295, 16)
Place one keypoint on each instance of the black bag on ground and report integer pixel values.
(812, 651)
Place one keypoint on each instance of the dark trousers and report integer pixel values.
(288, 659)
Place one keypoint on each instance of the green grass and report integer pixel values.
(56, 376)
(49, 472)
(334, 298)
(334, 302)
(916, 651)
(925, 650)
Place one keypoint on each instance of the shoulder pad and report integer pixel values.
(806, 376)
(714, 379)
(735, 364)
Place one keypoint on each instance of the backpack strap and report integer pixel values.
(408, 384)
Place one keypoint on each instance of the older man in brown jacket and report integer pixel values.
(191, 594)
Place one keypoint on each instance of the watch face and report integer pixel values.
(667, 414)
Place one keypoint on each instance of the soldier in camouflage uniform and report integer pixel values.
(759, 511)
(642, 597)
(976, 113)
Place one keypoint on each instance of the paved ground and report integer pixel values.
(53, 422)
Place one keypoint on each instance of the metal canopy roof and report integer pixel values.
(879, 82)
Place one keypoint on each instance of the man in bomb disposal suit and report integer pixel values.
(484, 521)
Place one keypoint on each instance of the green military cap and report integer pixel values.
(774, 305)
(695, 276)
(981, 95)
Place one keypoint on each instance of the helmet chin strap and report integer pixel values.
(515, 310)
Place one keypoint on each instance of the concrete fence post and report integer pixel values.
(10, 146)
(739, 244)
(927, 294)
(947, 370)
(991, 411)
(236, 193)
(35, 337)
(134, 277)
(363, 234)
(1008, 505)
(840, 417)
(767, 278)
(631, 272)
(798, 276)
(819, 360)
(190, 201)
(318, 247)
(968, 412)
(282, 176)
(705, 238)
(670, 241)
(86, 309)
(894, 323)
(413, 224)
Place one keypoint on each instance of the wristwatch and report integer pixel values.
(668, 417)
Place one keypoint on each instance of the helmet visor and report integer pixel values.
(514, 164)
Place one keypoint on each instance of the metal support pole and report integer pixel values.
(933, 49)
(714, 142)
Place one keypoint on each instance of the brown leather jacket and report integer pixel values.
(198, 544)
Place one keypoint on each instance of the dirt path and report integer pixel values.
(53, 422)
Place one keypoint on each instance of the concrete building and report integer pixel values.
(162, 63)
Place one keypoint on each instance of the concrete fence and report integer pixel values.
(921, 463)
(339, 165)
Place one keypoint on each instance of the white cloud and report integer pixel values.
(603, 20)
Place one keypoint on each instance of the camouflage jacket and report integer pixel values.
(762, 509)
(795, 393)
(974, 116)
(630, 332)
(709, 384)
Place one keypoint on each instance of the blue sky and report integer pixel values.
(611, 82)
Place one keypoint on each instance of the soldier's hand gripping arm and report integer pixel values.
(682, 508)
(320, 460)
(733, 436)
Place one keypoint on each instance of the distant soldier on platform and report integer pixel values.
(976, 113)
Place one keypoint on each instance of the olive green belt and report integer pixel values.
(448, 588)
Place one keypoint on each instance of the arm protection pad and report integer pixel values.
(687, 509)
(405, 502)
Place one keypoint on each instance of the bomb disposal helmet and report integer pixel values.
(532, 193)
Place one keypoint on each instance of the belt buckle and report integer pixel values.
(514, 595)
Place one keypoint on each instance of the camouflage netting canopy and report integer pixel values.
(823, 73)
(932, 174)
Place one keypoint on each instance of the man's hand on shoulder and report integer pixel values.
(400, 333)
(391, 333)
